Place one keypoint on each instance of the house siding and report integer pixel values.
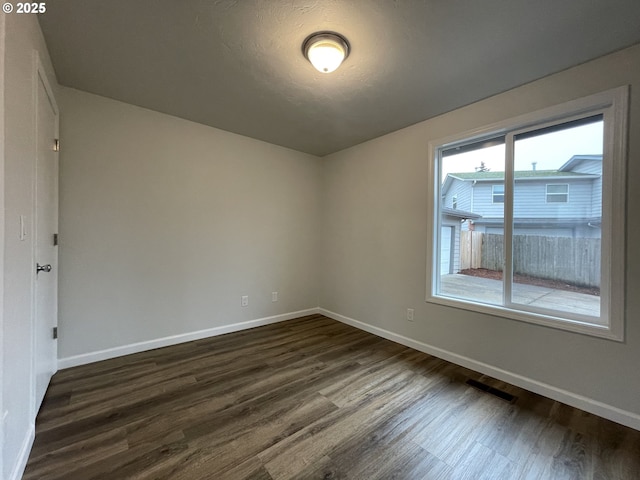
(483, 201)
(530, 200)
(533, 214)
(593, 167)
(464, 191)
(596, 198)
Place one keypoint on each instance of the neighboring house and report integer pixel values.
(564, 202)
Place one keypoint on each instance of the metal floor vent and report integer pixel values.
(493, 391)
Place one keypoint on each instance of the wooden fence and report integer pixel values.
(572, 260)
(470, 249)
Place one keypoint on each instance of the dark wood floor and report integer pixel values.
(310, 398)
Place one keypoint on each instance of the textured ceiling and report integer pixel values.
(238, 66)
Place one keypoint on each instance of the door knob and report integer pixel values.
(43, 268)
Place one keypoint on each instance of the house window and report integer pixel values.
(529, 260)
(497, 193)
(558, 193)
(454, 202)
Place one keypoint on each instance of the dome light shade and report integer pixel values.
(326, 50)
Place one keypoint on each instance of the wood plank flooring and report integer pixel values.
(310, 398)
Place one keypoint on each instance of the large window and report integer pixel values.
(520, 248)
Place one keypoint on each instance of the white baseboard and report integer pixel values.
(108, 353)
(604, 410)
(23, 456)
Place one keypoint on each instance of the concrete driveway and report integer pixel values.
(490, 291)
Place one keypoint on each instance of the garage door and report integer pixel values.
(445, 250)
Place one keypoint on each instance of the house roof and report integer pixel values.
(524, 174)
(454, 212)
(576, 159)
(524, 222)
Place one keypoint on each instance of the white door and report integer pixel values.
(46, 221)
(445, 250)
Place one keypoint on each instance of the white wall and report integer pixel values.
(165, 224)
(22, 37)
(374, 256)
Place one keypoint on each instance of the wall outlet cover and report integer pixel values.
(410, 314)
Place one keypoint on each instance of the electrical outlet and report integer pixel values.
(410, 314)
(244, 301)
(274, 296)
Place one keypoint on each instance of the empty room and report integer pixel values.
(331, 239)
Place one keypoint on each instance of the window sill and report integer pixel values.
(585, 327)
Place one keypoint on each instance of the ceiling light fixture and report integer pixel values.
(325, 50)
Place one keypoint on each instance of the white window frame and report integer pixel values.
(613, 106)
(554, 194)
(493, 194)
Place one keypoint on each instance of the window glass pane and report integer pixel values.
(472, 204)
(498, 193)
(555, 198)
(557, 188)
(557, 210)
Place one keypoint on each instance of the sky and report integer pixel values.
(550, 151)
